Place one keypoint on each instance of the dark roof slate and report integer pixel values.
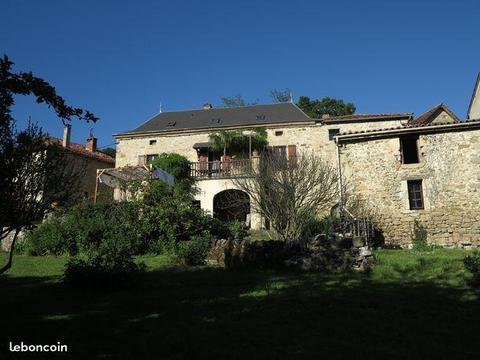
(223, 117)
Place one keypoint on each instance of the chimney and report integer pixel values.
(207, 106)
(67, 130)
(91, 143)
(325, 116)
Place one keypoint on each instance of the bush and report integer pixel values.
(237, 230)
(175, 164)
(107, 263)
(195, 251)
(169, 218)
(472, 264)
(102, 273)
(52, 237)
(419, 239)
(314, 225)
(84, 226)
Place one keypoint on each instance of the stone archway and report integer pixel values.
(232, 205)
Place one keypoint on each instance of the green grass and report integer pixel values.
(412, 305)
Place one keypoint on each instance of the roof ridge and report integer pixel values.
(226, 108)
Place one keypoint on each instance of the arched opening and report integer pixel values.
(232, 205)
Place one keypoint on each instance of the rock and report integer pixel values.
(365, 251)
(358, 241)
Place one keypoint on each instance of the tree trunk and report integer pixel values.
(8, 265)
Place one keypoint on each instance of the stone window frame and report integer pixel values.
(415, 195)
(152, 142)
(401, 150)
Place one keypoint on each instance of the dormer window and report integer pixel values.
(261, 117)
(171, 123)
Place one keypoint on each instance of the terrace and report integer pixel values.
(220, 169)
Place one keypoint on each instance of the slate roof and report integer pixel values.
(427, 117)
(223, 117)
(80, 150)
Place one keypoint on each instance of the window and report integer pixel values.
(415, 194)
(152, 142)
(151, 157)
(280, 153)
(409, 149)
(332, 133)
(278, 133)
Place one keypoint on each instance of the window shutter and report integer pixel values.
(142, 159)
(292, 154)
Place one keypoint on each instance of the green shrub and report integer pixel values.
(419, 239)
(472, 264)
(237, 230)
(102, 273)
(84, 226)
(315, 225)
(169, 218)
(194, 251)
(175, 164)
(106, 263)
(219, 229)
(51, 237)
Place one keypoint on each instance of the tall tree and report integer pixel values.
(286, 191)
(34, 176)
(318, 107)
(281, 96)
(235, 101)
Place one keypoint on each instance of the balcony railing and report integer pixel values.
(219, 169)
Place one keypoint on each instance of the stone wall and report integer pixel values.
(321, 253)
(449, 168)
(306, 138)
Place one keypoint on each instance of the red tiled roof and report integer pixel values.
(80, 150)
(409, 126)
(428, 116)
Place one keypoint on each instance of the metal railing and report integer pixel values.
(220, 169)
(358, 227)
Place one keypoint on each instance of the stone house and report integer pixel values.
(88, 159)
(405, 167)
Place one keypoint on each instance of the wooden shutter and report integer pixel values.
(292, 154)
(142, 159)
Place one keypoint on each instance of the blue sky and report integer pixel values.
(120, 59)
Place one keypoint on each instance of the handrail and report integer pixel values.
(220, 169)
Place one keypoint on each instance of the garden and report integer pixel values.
(414, 304)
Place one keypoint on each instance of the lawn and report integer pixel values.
(412, 305)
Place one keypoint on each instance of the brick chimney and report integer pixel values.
(67, 131)
(91, 144)
(207, 106)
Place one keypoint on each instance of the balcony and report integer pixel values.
(219, 169)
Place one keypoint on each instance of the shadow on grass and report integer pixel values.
(181, 313)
